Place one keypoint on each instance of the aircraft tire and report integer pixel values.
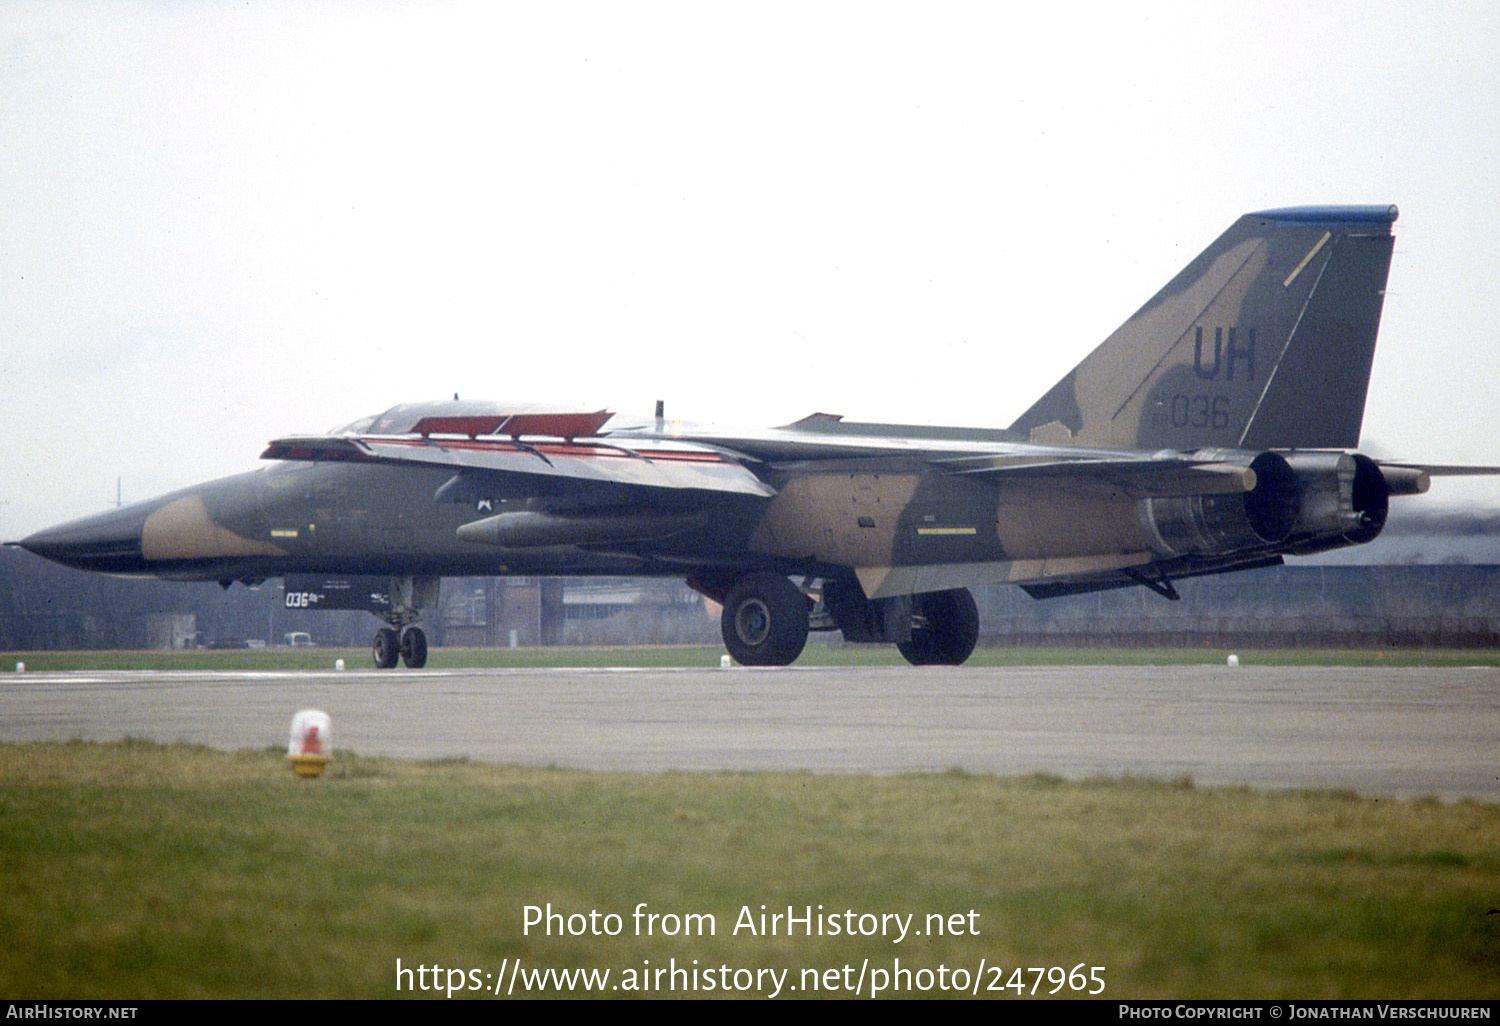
(414, 648)
(387, 648)
(765, 620)
(951, 632)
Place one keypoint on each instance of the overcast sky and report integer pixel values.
(221, 223)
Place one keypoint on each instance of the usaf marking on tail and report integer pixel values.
(1213, 431)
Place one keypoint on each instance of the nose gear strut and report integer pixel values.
(402, 641)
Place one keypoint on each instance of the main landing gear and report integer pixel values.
(401, 641)
(944, 628)
(767, 618)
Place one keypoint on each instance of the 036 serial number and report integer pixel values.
(1199, 411)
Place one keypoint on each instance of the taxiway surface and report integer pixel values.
(1397, 731)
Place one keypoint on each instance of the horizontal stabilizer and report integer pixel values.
(1440, 470)
(1415, 479)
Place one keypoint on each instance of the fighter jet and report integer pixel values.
(1213, 431)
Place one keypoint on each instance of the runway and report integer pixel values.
(1399, 732)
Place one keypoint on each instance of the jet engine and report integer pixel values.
(1202, 525)
(1344, 501)
(1302, 502)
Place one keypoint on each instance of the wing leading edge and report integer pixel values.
(545, 465)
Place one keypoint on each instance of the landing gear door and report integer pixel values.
(368, 593)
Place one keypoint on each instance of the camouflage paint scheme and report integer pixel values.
(1207, 434)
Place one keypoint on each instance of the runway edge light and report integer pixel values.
(312, 740)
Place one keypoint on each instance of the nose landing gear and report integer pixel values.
(414, 648)
(402, 641)
(409, 647)
(387, 648)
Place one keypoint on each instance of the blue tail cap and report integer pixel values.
(1375, 214)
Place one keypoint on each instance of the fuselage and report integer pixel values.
(901, 525)
(306, 518)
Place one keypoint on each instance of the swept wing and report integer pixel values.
(540, 466)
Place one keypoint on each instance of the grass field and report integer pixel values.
(133, 870)
(709, 655)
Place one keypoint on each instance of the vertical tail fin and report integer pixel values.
(1264, 341)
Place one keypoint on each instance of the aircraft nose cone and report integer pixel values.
(109, 542)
